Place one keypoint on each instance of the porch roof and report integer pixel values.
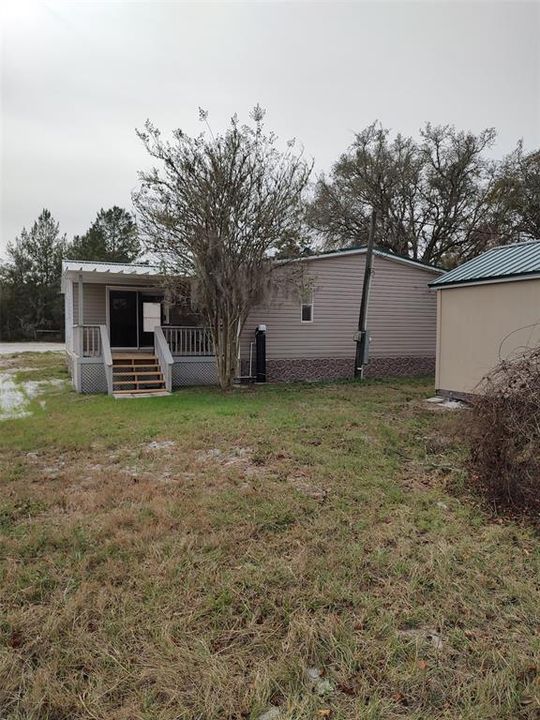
(97, 271)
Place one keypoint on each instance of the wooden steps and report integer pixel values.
(137, 374)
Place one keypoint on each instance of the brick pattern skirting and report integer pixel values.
(313, 369)
(309, 369)
(399, 367)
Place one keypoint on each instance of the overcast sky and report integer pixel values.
(78, 78)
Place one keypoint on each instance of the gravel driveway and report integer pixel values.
(21, 347)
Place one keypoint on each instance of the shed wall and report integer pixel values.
(481, 324)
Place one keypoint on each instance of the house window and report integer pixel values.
(306, 308)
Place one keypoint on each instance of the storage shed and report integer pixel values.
(488, 310)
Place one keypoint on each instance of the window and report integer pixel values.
(306, 310)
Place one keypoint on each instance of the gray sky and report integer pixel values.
(78, 77)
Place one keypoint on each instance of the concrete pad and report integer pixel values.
(135, 396)
(11, 348)
(445, 404)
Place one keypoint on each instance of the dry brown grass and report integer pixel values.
(196, 562)
(503, 434)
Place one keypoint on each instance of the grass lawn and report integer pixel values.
(307, 550)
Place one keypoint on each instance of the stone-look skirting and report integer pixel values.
(309, 369)
(313, 369)
(399, 367)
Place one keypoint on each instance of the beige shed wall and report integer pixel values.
(402, 312)
(480, 324)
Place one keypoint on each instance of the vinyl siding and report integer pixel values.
(94, 305)
(401, 321)
(402, 311)
(95, 300)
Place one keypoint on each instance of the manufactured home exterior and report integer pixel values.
(125, 335)
(401, 319)
(488, 310)
(121, 327)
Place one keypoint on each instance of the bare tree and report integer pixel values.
(516, 196)
(431, 196)
(217, 210)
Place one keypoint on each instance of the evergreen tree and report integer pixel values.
(112, 237)
(30, 281)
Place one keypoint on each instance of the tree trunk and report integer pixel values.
(226, 343)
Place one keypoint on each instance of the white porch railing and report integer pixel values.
(92, 341)
(188, 340)
(107, 356)
(164, 357)
(87, 340)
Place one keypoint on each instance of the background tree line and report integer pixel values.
(439, 199)
(31, 305)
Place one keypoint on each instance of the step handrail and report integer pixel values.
(107, 356)
(164, 356)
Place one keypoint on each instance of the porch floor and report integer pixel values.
(133, 354)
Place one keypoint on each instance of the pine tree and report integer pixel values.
(112, 237)
(31, 280)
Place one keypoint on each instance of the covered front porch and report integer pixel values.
(124, 335)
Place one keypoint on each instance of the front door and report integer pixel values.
(123, 318)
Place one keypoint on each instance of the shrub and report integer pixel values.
(503, 435)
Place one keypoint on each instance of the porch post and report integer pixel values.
(81, 315)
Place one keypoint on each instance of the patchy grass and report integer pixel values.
(194, 556)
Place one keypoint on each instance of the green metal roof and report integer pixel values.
(499, 263)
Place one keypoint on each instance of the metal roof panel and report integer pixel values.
(504, 261)
(106, 267)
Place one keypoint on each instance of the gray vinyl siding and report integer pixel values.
(402, 312)
(94, 304)
(95, 300)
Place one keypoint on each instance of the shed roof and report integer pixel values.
(505, 262)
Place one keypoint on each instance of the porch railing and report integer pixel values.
(188, 340)
(87, 340)
(107, 356)
(164, 357)
(92, 341)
